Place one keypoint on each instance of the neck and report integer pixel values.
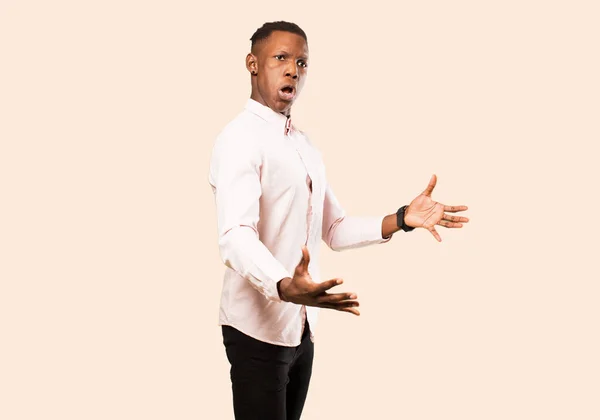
(258, 98)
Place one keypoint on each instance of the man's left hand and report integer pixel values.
(425, 213)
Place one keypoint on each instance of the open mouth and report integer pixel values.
(287, 92)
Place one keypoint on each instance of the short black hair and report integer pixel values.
(265, 31)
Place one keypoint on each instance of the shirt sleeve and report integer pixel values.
(341, 232)
(235, 179)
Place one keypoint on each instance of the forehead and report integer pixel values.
(281, 40)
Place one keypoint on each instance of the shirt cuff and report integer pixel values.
(269, 277)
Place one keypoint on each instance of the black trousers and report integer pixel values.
(269, 382)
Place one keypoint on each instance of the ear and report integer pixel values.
(251, 63)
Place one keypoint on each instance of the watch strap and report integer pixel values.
(400, 219)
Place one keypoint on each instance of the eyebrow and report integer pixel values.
(284, 52)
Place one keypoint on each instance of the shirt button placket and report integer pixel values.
(308, 213)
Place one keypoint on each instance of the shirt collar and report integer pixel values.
(269, 115)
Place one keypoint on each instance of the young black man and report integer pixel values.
(274, 206)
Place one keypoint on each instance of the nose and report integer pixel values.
(292, 71)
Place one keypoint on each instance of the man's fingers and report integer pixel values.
(341, 306)
(302, 266)
(435, 234)
(337, 297)
(326, 285)
(347, 304)
(431, 186)
(452, 221)
(449, 224)
(305, 257)
(454, 209)
(456, 219)
(351, 310)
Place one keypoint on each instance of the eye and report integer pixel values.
(279, 56)
(303, 63)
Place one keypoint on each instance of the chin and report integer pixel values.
(281, 106)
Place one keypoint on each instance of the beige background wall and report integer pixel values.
(109, 266)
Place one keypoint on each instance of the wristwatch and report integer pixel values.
(400, 219)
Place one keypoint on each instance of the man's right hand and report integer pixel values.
(303, 291)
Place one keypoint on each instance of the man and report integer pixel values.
(274, 205)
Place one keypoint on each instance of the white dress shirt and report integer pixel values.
(272, 198)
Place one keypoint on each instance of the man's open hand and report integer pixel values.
(426, 213)
(303, 291)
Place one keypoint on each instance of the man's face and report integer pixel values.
(280, 63)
